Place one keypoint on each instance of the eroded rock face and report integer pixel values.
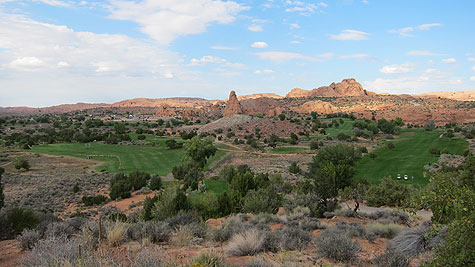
(165, 110)
(317, 106)
(233, 106)
(347, 87)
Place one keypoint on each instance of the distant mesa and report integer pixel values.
(347, 87)
(233, 106)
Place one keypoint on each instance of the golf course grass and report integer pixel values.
(156, 159)
(409, 156)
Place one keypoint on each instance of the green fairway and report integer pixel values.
(346, 128)
(120, 158)
(409, 156)
(217, 187)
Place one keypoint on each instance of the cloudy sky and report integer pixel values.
(62, 51)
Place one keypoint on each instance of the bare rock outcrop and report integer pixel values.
(347, 87)
(233, 106)
(165, 110)
(317, 106)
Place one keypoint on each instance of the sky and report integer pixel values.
(62, 51)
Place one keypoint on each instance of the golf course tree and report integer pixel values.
(197, 153)
(332, 169)
(450, 196)
(355, 192)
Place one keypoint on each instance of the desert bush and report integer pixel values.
(387, 193)
(391, 259)
(169, 204)
(294, 168)
(263, 218)
(93, 200)
(60, 229)
(57, 251)
(22, 218)
(309, 224)
(28, 239)
(182, 218)
(385, 230)
(293, 238)
(313, 202)
(148, 258)
(116, 233)
(155, 182)
(185, 237)
(156, 231)
(246, 243)
(258, 262)
(335, 244)
(89, 237)
(262, 200)
(393, 215)
(227, 229)
(271, 241)
(208, 259)
(411, 242)
(22, 164)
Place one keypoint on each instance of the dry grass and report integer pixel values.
(385, 230)
(184, 237)
(116, 233)
(250, 242)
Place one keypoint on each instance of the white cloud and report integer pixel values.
(294, 26)
(425, 27)
(422, 53)
(429, 80)
(259, 45)
(323, 4)
(396, 69)
(473, 68)
(304, 8)
(472, 78)
(328, 55)
(255, 28)
(361, 57)
(365, 1)
(449, 60)
(108, 66)
(266, 71)
(27, 63)
(63, 64)
(295, 42)
(406, 31)
(222, 47)
(165, 21)
(350, 35)
(54, 3)
(206, 59)
(471, 59)
(278, 56)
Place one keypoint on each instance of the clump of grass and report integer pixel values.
(208, 259)
(116, 233)
(184, 237)
(385, 230)
(258, 262)
(391, 259)
(227, 229)
(411, 242)
(250, 242)
(335, 244)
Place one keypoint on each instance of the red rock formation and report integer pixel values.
(165, 111)
(347, 87)
(233, 106)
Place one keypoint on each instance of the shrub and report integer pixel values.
(169, 204)
(294, 168)
(411, 242)
(271, 241)
(208, 259)
(22, 218)
(247, 243)
(391, 145)
(294, 238)
(155, 182)
(263, 200)
(93, 200)
(156, 231)
(336, 245)
(391, 259)
(61, 229)
(434, 151)
(116, 233)
(227, 229)
(28, 239)
(148, 258)
(22, 164)
(184, 237)
(387, 193)
(182, 218)
(258, 262)
(385, 230)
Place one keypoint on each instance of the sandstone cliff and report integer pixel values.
(347, 87)
(233, 106)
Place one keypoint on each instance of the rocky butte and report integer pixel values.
(233, 106)
(347, 87)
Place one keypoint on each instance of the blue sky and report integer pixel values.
(55, 51)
